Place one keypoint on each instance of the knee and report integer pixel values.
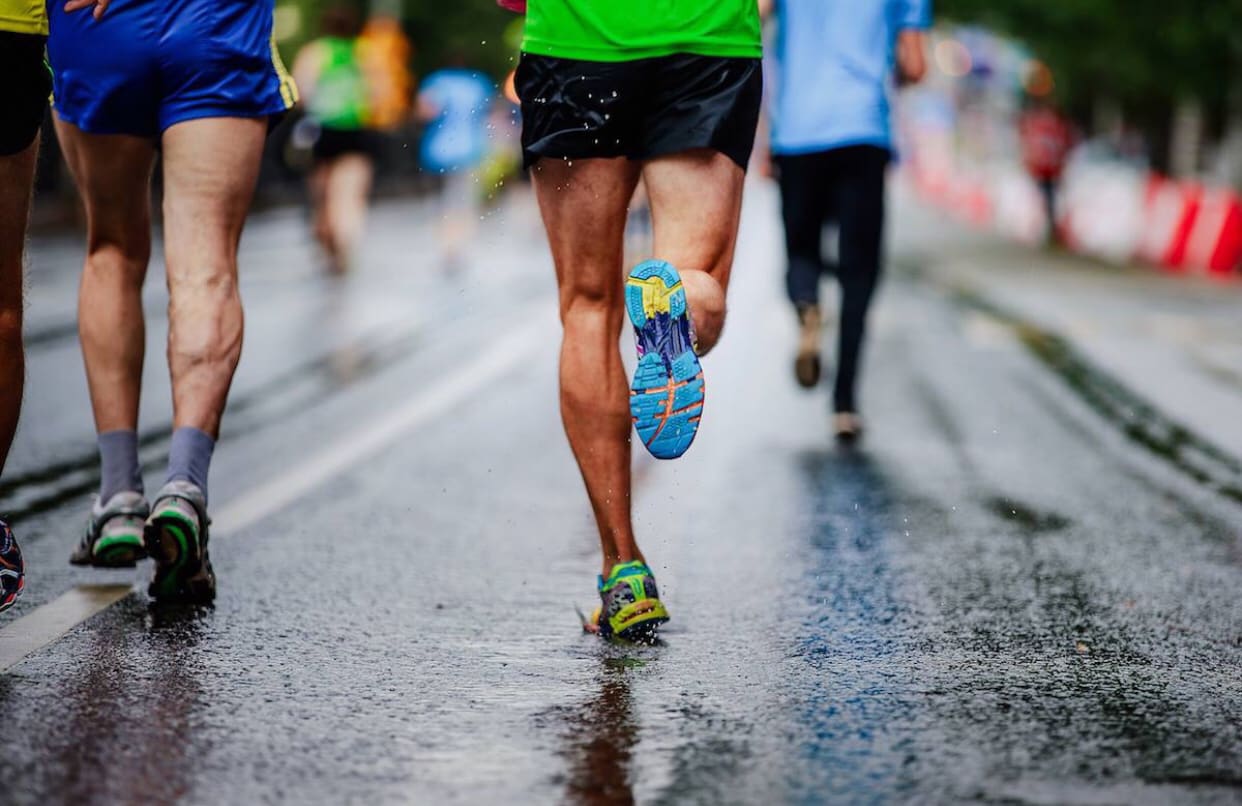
(118, 261)
(590, 305)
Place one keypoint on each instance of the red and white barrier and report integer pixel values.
(1107, 210)
(1101, 210)
(1214, 242)
(1169, 210)
(1018, 207)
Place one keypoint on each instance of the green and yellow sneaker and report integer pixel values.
(113, 537)
(630, 607)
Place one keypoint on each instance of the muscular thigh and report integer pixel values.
(584, 204)
(210, 169)
(113, 174)
(696, 203)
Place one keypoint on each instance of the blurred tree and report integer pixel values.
(1148, 56)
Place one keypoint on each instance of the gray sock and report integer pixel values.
(189, 457)
(118, 464)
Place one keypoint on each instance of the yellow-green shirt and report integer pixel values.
(23, 17)
(622, 30)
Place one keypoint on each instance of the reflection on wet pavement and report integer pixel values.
(599, 737)
(125, 738)
(990, 599)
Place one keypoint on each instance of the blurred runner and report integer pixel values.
(385, 55)
(137, 77)
(455, 103)
(831, 142)
(337, 94)
(612, 92)
(23, 31)
(1046, 140)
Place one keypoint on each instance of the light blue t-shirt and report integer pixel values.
(457, 137)
(833, 63)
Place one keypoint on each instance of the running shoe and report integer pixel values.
(630, 607)
(666, 396)
(12, 569)
(176, 538)
(807, 366)
(113, 537)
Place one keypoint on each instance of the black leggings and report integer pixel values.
(845, 186)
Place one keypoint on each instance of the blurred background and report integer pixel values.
(1020, 587)
(1121, 121)
(1110, 127)
(400, 36)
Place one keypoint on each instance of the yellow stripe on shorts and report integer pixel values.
(288, 88)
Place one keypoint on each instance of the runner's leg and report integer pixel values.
(321, 224)
(113, 175)
(584, 204)
(804, 208)
(805, 193)
(696, 204)
(210, 168)
(16, 179)
(859, 190)
(348, 187)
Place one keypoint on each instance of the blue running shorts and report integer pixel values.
(150, 64)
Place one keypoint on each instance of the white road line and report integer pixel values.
(295, 482)
(49, 622)
(45, 624)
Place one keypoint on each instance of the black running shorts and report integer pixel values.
(24, 87)
(333, 143)
(638, 109)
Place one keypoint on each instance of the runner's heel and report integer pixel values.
(176, 538)
(172, 542)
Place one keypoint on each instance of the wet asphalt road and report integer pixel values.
(998, 597)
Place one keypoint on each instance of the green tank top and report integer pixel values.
(339, 100)
(624, 30)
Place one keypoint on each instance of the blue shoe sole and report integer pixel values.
(666, 395)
